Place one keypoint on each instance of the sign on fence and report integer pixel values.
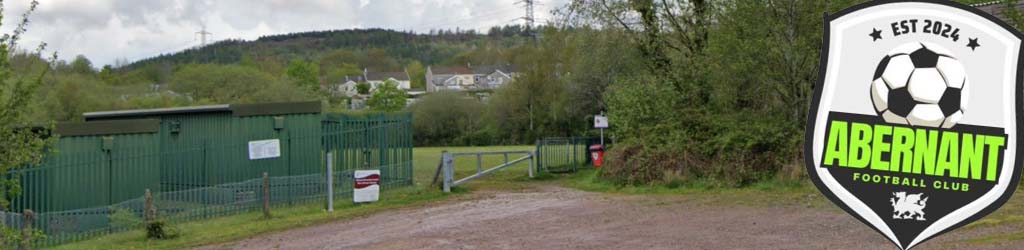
(264, 149)
(367, 186)
(915, 118)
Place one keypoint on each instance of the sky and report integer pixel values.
(108, 31)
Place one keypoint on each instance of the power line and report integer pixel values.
(529, 4)
(202, 34)
(472, 16)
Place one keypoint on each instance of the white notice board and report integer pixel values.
(264, 149)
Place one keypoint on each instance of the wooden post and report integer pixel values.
(266, 195)
(149, 215)
(26, 229)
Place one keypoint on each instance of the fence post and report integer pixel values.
(575, 155)
(479, 163)
(538, 156)
(533, 156)
(266, 195)
(330, 183)
(149, 214)
(26, 229)
(446, 162)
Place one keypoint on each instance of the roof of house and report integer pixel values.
(487, 69)
(458, 70)
(381, 76)
(997, 8)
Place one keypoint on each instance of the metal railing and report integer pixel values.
(564, 154)
(83, 197)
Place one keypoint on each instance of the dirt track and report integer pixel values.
(559, 218)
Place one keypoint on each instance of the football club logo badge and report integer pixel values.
(915, 119)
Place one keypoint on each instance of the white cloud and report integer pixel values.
(106, 30)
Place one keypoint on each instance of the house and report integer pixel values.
(469, 78)
(449, 78)
(378, 78)
(347, 87)
(494, 76)
(998, 8)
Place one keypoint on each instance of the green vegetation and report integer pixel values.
(446, 118)
(387, 98)
(21, 141)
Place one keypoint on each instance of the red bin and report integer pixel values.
(597, 155)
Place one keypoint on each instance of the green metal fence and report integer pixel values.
(94, 185)
(564, 154)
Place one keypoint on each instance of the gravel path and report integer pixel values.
(560, 218)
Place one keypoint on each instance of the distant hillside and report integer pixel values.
(435, 47)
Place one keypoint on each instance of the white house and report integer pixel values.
(469, 78)
(378, 78)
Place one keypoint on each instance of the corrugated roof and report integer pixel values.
(160, 111)
(236, 109)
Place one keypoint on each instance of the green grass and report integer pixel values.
(241, 226)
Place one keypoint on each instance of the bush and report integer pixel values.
(124, 218)
(447, 118)
(159, 229)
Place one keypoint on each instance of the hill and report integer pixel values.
(401, 47)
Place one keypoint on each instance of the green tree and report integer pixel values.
(304, 74)
(387, 98)
(446, 118)
(418, 74)
(234, 84)
(22, 144)
(337, 75)
(82, 65)
(363, 88)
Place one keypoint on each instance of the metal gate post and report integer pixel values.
(538, 156)
(449, 172)
(330, 182)
(533, 156)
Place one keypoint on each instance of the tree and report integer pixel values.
(418, 74)
(234, 84)
(445, 118)
(363, 88)
(336, 75)
(387, 98)
(82, 65)
(305, 74)
(22, 144)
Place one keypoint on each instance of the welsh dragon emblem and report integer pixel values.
(908, 206)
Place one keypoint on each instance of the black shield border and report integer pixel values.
(815, 102)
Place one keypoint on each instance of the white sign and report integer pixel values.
(600, 121)
(366, 186)
(264, 149)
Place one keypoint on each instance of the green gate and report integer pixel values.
(564, 154)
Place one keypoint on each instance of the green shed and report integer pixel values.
(93, 164)
(209, 145)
